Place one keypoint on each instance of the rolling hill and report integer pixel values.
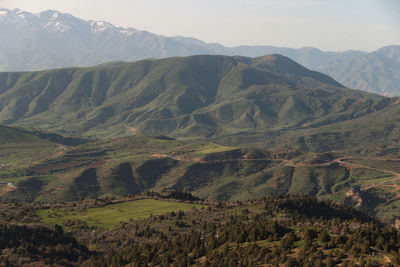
(187, 97)
(137, 164)
(13, 137)
(19, 148)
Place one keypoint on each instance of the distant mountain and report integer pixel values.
(308, 56)
(373, 72)
(51, 39)
(192, 97)
(392, 52)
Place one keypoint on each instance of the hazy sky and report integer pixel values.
(326, 24)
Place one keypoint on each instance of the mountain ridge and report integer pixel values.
(51, 39)
(181, 96)
(373, 72)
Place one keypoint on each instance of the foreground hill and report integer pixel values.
(190, 97)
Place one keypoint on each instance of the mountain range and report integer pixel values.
(51, 39)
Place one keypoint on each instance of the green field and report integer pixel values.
(111, 215)
(202, 148)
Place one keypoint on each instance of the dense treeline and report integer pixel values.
(310, 206)
(39, 245)
(282, 231)
(289, 231)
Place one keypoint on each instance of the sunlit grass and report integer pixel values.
(110, 215)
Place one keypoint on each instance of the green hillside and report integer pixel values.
(376, 134)
(136, 164)
(189, 97)
(19, 149)
(243, 128)
(14, 137)
(112, 215)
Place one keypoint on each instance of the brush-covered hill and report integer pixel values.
(186, 97)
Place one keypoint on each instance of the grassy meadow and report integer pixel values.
(111, 215)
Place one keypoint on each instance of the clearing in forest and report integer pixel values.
(110, 215)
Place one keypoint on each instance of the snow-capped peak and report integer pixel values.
(16, 15)
(55, 15)
(98, 26)
(55, 21)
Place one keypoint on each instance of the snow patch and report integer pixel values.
(98, 26)
(56, 26)
(126, 32)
